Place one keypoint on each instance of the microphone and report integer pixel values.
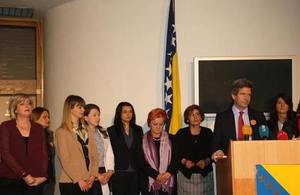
(263, 132)
(247, 131)
(282, 135)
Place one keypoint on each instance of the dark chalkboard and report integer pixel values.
(214, 79)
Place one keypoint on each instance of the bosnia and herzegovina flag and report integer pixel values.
(278, 179)
(172, 97)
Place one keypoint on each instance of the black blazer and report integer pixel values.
(224, 129)
(125, 156)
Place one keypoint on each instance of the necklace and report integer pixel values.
(156, 138)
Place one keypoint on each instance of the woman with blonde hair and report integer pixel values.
(76, 150)
(23, 167)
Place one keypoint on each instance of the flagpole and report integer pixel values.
(171, 82)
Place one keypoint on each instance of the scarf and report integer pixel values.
(81, 132)
(165, 153)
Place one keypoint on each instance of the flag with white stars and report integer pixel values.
(277, 179)
(172, 97)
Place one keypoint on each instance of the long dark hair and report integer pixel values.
(288, 101)
(87, 110)
(118, 120)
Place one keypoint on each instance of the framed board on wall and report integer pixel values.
(213, 78)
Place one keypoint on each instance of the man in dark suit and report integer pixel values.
(229, 123)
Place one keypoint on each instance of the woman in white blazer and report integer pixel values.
(106, 156)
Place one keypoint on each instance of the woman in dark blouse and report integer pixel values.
(126, 138)
(193, 147)
(24, 160)
(282, 122)
(41, 116)
(158, 160)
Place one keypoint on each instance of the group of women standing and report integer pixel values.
(120, 160)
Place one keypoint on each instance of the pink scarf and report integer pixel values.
(165, 153)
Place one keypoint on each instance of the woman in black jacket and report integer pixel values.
(193, 146)
(126, 139)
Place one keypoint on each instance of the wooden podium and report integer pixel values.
(236, 174)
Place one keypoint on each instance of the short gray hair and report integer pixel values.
(15, 100)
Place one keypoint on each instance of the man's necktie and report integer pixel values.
(240, 126)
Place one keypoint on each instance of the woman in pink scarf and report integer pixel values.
(158, 162)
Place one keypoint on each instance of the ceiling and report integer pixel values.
(39, 6)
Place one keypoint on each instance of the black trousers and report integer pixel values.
(49, 188)
(125, 183)
(74, 189)
(96, 189)
(18, 187)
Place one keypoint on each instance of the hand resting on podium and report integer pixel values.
(219, 154)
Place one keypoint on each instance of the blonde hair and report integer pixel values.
(70, 102)
(15, 100)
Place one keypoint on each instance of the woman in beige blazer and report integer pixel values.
(76, 150)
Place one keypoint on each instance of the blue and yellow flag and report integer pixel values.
(171, 82)
(278, 179)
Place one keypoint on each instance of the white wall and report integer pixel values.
(112, 51)
(107, 52)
